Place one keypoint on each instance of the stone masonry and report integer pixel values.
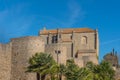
(5, 61)
(80, 44)
(14, 57)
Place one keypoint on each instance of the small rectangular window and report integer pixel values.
(71, 37)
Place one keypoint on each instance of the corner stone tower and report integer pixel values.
(22, 49)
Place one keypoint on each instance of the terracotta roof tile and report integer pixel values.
(66, 31)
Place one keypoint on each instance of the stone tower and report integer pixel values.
(22, 49)
(80, 43)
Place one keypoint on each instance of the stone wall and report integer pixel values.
(68, 46)
(82, 59)
(86, 42)
(5, 61)
(51, 49)
(15, 55)
(78, 45)
(22, 49)
(76, 39)
(117, 74)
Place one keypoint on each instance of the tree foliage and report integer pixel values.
(44, 64)
(103, 71)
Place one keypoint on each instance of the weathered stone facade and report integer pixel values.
(14, 57)
(22, 49)
(80, 44)
(5, 61)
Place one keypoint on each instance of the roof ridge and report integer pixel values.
(68, 30)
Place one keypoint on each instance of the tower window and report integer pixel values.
(71, 37)
(84, 40)
(54, 39)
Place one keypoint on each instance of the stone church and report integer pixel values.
(80, 44)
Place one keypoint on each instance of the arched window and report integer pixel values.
(84, 40)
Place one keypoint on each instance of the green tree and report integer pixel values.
(52, 71)
(44, 64)
(62, 69)
(94, 69)
(41, 63)
(103, 71)
(84, 74)
(73, 72)
(106, 71)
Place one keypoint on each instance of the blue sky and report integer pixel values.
(26, 17)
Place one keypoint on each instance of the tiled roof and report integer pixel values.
(66, 31)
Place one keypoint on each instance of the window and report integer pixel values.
(76, 55)
(71, 37)
(84, 40)
(54, 39)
